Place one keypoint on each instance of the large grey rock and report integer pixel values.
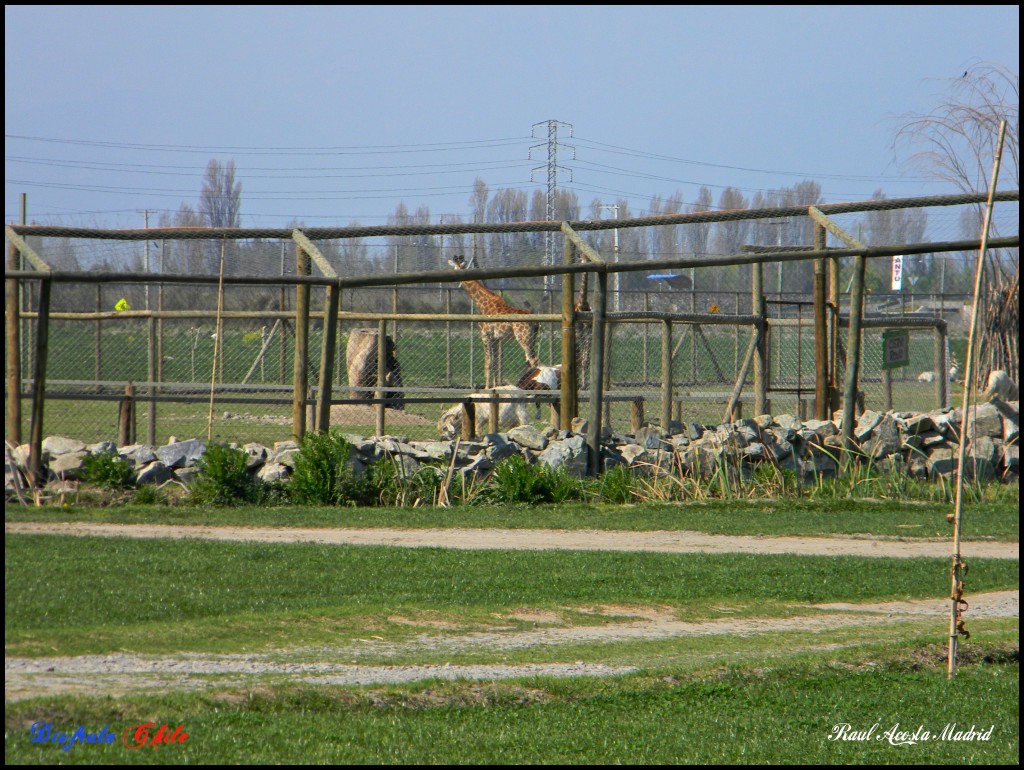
(649, 437)
(529, 437)
(272, 471)
(985, 420)
(885, 439)
(67, 466)
(58, 445)
(569, 453)
(941, 461)
(866, 424)
(153, 473)
(180, 454)
(788, 421)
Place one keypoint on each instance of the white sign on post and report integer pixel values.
(897, 272)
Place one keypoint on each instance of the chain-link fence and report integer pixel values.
(202, 359)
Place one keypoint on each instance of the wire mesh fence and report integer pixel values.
(203, 359)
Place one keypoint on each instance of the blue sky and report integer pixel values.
(335, 115)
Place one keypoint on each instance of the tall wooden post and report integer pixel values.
(853, 356)
(13, 323)
(757, 308)
(328, 345)
(151, 376)
(382, 368)
(833, 335)
(569, 404)
(596, 378)
(300, 373)
(39, 385)
(942, 365)
(821, 392)
(666, 375)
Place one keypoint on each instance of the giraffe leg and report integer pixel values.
(488, 361)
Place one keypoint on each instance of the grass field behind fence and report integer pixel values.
(429, 358)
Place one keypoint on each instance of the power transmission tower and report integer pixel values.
(552, 166)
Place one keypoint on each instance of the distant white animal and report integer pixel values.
(1000, 385)
(541, 378)
(510, 414)
(926, 377)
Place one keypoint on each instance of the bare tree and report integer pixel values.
(220, 202)
(956, 142)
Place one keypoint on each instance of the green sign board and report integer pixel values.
(895, 348)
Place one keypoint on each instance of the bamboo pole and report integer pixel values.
(957, 586)
(216, 342)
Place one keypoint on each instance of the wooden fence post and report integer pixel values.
(597, 376)
(151, 375)
(327, 351)
(666, 375)
(12, 306)
(943, 365)
(126, 417)
(569, 374)
(300, 373)
(382, 369)
(39, 385)
(821, 393)
(758, 308)
(853, 357)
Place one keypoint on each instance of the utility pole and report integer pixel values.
(552, 169)
(615, 256)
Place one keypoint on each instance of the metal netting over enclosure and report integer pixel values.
(702, 316)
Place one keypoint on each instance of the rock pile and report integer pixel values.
(923, 445)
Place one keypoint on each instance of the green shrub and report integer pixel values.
(391, 486)
(109, 470)
(516, 481)
(323, 474)
(616, 485)
(148, 494)
(224, 479)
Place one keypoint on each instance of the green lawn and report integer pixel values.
(993, 517)
(719, 698)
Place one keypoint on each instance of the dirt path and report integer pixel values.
(121, 673)
(541, 539)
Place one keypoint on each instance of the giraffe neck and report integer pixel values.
(481, 295)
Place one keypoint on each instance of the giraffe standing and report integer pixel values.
(493, 333)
